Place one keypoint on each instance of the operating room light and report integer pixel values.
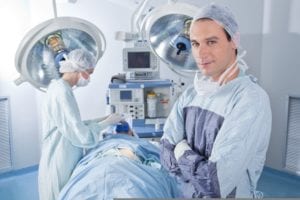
(166, 29)
(38, 56)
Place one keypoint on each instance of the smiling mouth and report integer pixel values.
(204, 64)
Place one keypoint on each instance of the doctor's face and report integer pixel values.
(211, 49)
(87, 73)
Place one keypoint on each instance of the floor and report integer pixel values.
(22, 185)
(278, 184)
(19, 185)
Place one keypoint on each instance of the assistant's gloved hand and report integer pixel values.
(111, 119)
(180, 148)
(97, 120)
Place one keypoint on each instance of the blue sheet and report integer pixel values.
(100, 175)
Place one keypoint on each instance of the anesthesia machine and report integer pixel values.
(142, 95)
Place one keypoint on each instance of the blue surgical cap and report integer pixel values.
(122, 127)
(223, 16)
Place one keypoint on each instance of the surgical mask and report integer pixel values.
(204, 86)
(82, 81)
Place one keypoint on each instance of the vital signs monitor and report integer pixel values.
(140, 64)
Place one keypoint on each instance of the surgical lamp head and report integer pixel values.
(181, 41)
(223, 16)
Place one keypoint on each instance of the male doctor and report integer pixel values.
(217, 134)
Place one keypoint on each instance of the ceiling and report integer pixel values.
(132, 4)
(126, 3)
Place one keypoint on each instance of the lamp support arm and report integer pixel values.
(54, 8)
(136, 15)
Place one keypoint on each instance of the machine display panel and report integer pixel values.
(125, 95)
(138, 60)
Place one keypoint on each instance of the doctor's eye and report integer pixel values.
(211, 42)
(195, 44)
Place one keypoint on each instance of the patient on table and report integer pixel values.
(121, 166)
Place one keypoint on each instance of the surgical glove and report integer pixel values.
(180, 148)
(111, 119)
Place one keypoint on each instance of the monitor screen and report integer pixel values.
(138, 60)
(125, 95)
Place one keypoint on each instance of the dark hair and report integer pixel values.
(229, 39)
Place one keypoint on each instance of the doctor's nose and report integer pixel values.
(201, 51)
